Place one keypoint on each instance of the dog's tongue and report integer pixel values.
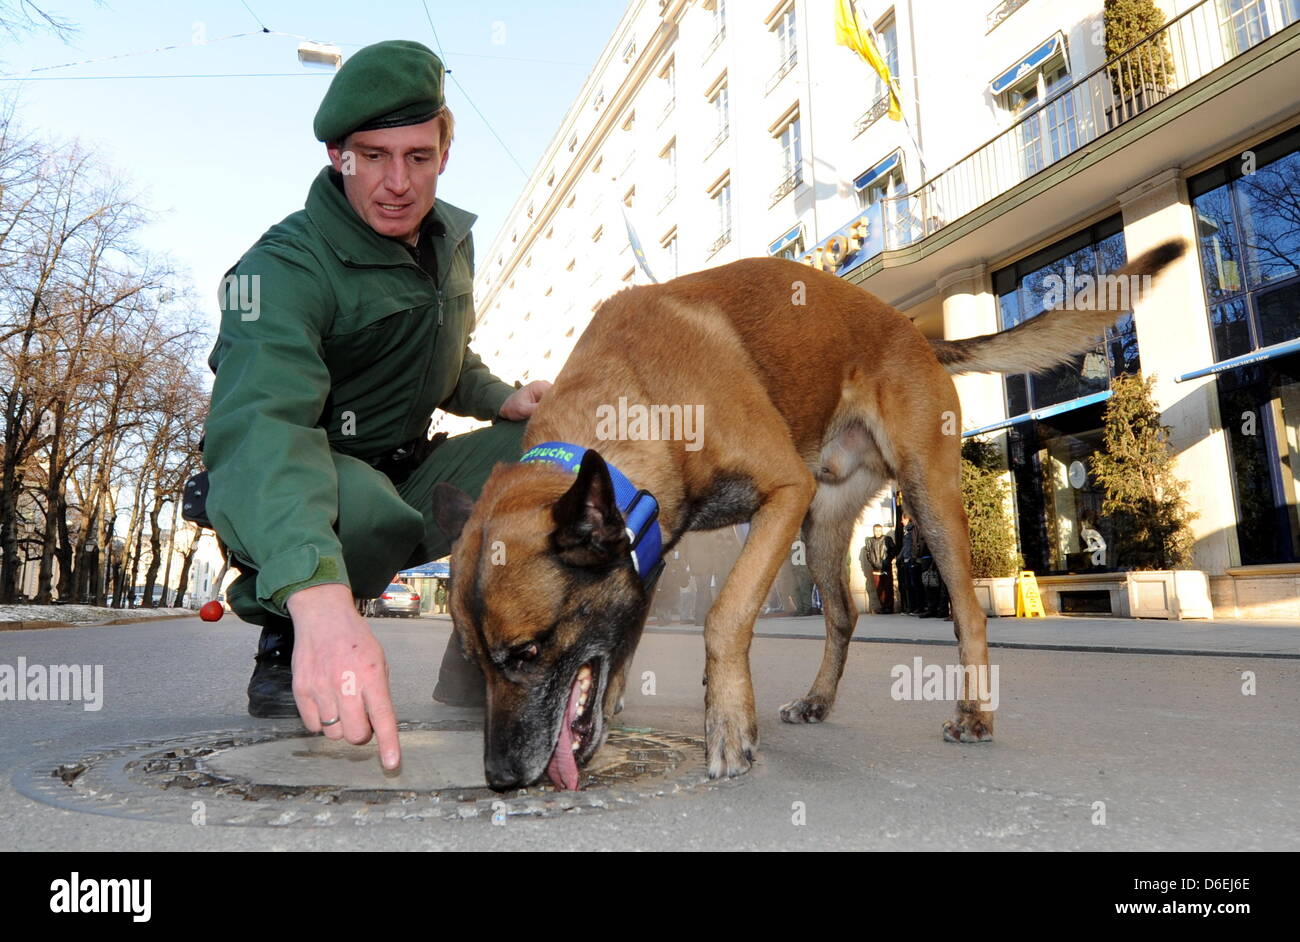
(563, 768)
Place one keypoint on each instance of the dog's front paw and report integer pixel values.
(731, 739)
(970, 725)
(809, 709)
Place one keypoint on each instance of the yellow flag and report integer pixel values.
(852, 32)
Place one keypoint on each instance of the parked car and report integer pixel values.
(397, 599)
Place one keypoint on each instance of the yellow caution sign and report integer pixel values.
(1029, 604)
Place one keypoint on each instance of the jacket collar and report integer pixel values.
(355, 243)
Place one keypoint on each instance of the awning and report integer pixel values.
(1031, 62)
(1038, 414)
(879, 170)
(428, 571)
(785, 240)
(1257, 356)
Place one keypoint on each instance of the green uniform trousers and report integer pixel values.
(384, 529)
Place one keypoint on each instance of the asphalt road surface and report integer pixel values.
(1176, 753)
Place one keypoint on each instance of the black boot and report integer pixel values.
(270, 691)
(460, 682)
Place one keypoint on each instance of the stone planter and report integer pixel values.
(1169, 593)
(1165, 593)
(997, 596)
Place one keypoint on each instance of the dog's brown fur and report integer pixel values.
(810, 410)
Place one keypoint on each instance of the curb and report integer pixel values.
(1100, 648)
(125, 620)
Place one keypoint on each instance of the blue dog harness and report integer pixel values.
(639, 508)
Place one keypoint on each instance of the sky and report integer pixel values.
(217, 161)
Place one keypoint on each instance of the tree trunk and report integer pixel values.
(155, 552)
(184, 578)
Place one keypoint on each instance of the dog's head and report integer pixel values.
(546, 598)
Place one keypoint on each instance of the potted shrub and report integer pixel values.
(1143, 76)
(994, 559)
(1144, 502)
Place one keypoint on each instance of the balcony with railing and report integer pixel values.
(717, 141)
(878, 110)
(1182, 51)
(713, 45)
(786, 186)
(784, 69)
(719, 242)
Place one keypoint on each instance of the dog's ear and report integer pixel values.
(589, 530)
(451, 508)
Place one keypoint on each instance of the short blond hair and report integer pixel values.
(447, 121)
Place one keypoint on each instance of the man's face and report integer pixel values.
(877, 530)
(395, 175)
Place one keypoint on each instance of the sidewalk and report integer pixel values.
(23, 617)
(1232, 638)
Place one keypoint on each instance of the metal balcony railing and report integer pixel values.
(782, 71)
(786, 186)
(719, 242)
(668, 198)
(1002, 11)
(713, 45)
(1187, 48)
(717, 140)
(873, 114)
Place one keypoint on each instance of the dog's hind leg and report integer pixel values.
(931, 477)
(827, 532)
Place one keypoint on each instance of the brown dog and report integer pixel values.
(816, 395)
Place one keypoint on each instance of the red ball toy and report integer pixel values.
(212, 611)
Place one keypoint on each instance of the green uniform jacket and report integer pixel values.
(331, 337)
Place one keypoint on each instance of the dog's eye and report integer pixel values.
(524, 652)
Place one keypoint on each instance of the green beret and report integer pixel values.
(385, 85)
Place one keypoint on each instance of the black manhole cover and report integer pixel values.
(286, 778)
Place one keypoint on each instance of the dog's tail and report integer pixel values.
(1055, 336)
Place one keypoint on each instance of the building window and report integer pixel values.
(890, 222)
(787, 47)
(790, 166)
(719, 28)
(669, 76)
(1058, 500)
(573, 143)
(1067, 270)
(719, 99)
(790, 245)
(720, 193)
(629, 197)
(669, 244)
(629, 51)
(1248, 228)
(1244, 23)
(630, 121)
(887, 34)
(1037, 92)
(669, 173)
(600, 231)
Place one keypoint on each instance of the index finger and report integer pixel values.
(383, 720)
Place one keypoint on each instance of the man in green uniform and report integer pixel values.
(342, 329)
